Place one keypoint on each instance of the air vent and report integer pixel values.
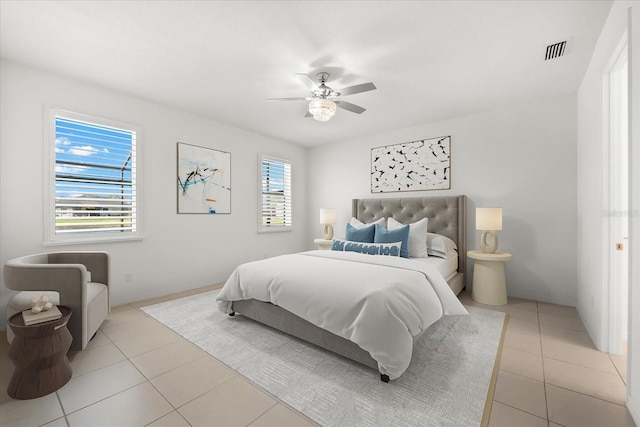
(555, 50)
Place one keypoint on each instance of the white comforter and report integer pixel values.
(380, 303)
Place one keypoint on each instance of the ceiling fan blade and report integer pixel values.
(306, 80)
(288, 99)
(350, 107)
(364, 87)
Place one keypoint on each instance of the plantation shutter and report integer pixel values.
(276, 203)
(95, 178)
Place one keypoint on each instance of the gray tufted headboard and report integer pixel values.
(447, 216)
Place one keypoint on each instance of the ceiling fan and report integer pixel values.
(324, 100)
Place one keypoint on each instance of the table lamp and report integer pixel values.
(489, 220)
(328, 217)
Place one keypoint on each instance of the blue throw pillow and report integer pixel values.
(364, 234)
(337, 245)
(388, 249)
(382, 235)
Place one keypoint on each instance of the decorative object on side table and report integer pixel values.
(30, 318)
(39, 354)
(41, 311)
(489, 220)
(489, 283)
(328, 217)
(41, 303)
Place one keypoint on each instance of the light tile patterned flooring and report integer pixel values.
(137, 372)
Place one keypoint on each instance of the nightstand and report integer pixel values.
(489, 283)
(323, 244)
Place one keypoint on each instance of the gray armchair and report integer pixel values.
(63, 276)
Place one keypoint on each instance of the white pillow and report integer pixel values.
(440, 246)
(417, 236)
(359, 224)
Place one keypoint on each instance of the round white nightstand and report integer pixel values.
(323, 244)
(489, 283)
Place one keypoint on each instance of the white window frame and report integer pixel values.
(50, 236)
(274, 228)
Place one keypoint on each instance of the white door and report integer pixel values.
(618, 200)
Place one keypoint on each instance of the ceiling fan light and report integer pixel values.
(322, 109)
(321, 117)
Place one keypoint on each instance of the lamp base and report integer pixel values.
(327, 232)
(489, 248)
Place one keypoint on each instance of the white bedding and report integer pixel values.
(380, 303)
(447, 267)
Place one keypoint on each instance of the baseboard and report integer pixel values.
(538, 298)
(634, 409)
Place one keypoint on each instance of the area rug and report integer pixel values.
(447, 383)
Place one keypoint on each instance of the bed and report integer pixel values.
(446, 216)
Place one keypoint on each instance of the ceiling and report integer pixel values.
(430, 60)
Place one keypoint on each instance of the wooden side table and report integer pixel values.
(323, 244)
(39, 354)
(489, 283)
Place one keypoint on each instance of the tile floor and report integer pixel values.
(137, 372)
(551, 373)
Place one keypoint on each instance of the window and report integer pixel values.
(94, 179)
(274, 206)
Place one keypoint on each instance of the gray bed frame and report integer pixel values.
(447, 216)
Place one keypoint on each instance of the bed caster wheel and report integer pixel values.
(233, 313)
(384, 378)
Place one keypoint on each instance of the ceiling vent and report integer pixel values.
(556, 50)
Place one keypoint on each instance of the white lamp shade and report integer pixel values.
(328, 216)
(489, 219)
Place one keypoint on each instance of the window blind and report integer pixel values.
(276, 201)
(95, 178)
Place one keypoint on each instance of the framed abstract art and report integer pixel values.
(412, 166)
(204, 180)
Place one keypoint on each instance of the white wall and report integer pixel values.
(591, 246)
(591, 250)
(178, 252)
(521, 159)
